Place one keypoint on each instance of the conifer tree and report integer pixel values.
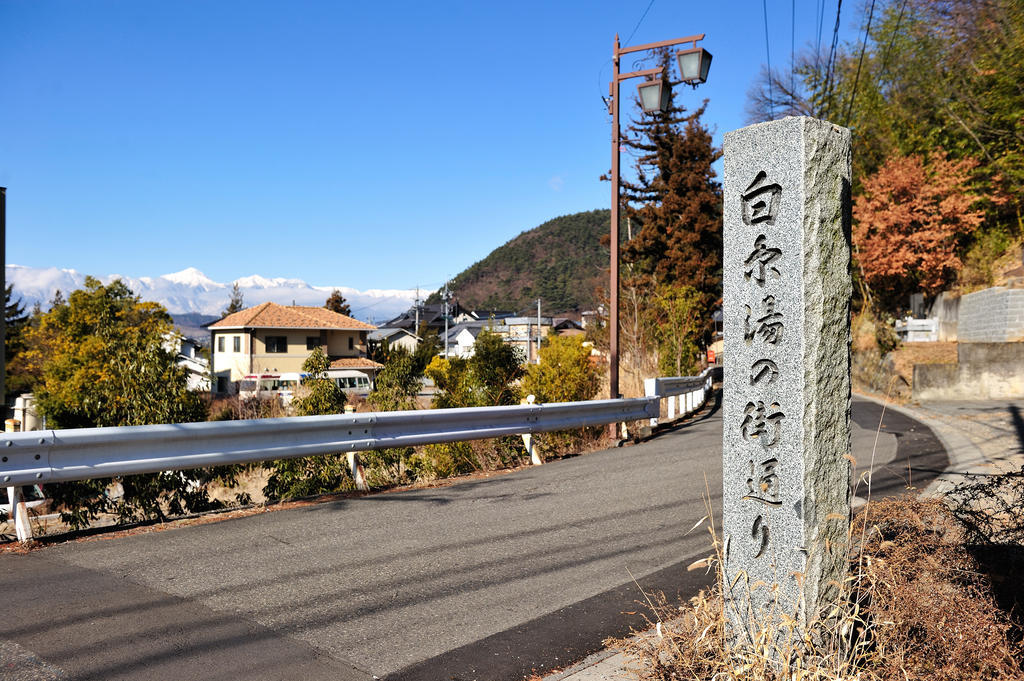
(337, 303)
(675, 204)
(235, 303)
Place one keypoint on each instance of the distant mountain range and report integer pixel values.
(190, 292)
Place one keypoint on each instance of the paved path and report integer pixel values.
(486, 579)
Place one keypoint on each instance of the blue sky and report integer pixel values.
(371, 145)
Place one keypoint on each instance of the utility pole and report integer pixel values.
(3, 287)
(538, 331)
(416, 329)
(446, 298)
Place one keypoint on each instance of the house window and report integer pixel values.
(222, 384)
(312, 342)
(351, 343)
(237, 343)
(277, 343)
(220, 343)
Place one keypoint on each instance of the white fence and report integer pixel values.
(48, 456)
(917, 330)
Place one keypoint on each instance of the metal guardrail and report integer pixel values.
(688, 392)
(40, 457)
(48, 456)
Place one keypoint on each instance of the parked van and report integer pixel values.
(279, 386)
(351, 381)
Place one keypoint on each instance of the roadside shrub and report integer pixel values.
(565, 372)
(289, 478)
(443, 460)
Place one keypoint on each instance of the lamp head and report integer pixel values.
(694, 65)
(653, 95)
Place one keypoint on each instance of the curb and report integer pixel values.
(963, 454)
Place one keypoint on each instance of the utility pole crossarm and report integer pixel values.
(663, 43)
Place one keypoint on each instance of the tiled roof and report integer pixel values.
(355, 363)
(274, 316)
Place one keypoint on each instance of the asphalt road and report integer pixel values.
(486, 579)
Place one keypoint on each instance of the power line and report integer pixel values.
(642, 17)
(768, 53)
(892, 40)
(860, 62)
(820, 20)
(792, 49)
(829, 73)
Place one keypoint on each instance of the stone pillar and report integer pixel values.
(787, 288)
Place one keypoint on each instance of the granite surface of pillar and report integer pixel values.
(786, 411)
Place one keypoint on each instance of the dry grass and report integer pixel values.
(920, 602)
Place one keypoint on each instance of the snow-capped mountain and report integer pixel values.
(192, 291)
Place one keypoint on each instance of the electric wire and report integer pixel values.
(892, 40)
(829, 69)
(860, 62)
(768, 53)
(792, 49)
(642, 17)
(821, 24)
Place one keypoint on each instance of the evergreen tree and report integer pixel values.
(337, 303)
(675, 204)
(16, 320)
(235, 303)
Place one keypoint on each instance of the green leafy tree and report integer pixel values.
(565, 372)
(488, 378)
(495, 367)
(337, 303)
(235, 303)
(321, 395)
(680, 313)
(101, 359)
(398, 383)
(299, 477)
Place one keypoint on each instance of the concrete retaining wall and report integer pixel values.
(983, 371)
(945, 310)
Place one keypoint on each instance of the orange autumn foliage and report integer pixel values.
(911, 219)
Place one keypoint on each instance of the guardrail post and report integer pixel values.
(651, 390)
(19, 511)
(19, 515)
(671, 407)
(358, 474)
(531, 448)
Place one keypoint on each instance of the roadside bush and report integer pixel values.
(565, 372)
(444, 460)
(289, 478)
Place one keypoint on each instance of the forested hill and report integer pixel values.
(562, 262)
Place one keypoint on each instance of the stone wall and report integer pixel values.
(995, 315)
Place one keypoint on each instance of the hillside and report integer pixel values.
(562, 262)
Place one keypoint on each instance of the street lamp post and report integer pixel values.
(693, 68)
